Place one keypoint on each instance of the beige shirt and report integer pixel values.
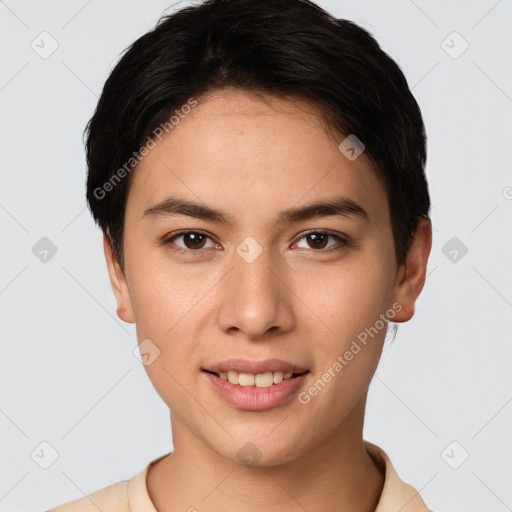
(132, 495)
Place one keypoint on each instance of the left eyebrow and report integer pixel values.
(336, 206)
(175, 206)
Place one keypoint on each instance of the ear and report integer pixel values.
(411, 275)
(118, 283)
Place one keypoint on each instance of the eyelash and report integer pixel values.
(168, 240)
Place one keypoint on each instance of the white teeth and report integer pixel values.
(232, 377)
(278, 377)
(261, 380)
(246, 379)
(264, 380)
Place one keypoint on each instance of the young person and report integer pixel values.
(257, 169)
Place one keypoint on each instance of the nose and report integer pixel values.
(254, 299)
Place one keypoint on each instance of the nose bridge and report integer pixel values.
(253, 299)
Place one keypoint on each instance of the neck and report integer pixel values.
(339, 475)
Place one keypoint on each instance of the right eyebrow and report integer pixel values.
(173, 206)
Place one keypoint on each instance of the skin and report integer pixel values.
(253, 159)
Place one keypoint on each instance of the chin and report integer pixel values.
(257, 450)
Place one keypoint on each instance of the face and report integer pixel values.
(252, 281)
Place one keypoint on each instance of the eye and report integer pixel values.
(319, 240)
(193, 241)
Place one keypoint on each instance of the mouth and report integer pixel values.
(259, 380)
(256, 385)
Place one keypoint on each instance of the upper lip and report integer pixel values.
(255, 367)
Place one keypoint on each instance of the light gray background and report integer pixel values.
(68, 374)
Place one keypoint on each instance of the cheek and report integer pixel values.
(164, 315)
(165, 309)
(161, 294)
(348, 354)
(350, 298)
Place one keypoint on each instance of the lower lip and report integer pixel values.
(252, 398)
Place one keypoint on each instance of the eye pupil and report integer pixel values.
(319, 237)
(197, 239)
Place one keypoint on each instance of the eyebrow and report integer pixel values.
(175, 206)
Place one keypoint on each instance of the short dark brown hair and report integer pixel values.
(285, 48)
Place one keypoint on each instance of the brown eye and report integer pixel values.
(191, 241)
(194, 240)
(319, 241)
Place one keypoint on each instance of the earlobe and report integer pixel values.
(118, 284)
(411, 276)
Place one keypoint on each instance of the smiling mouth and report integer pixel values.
(260, 380)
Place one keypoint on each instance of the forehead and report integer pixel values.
(244, 152)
